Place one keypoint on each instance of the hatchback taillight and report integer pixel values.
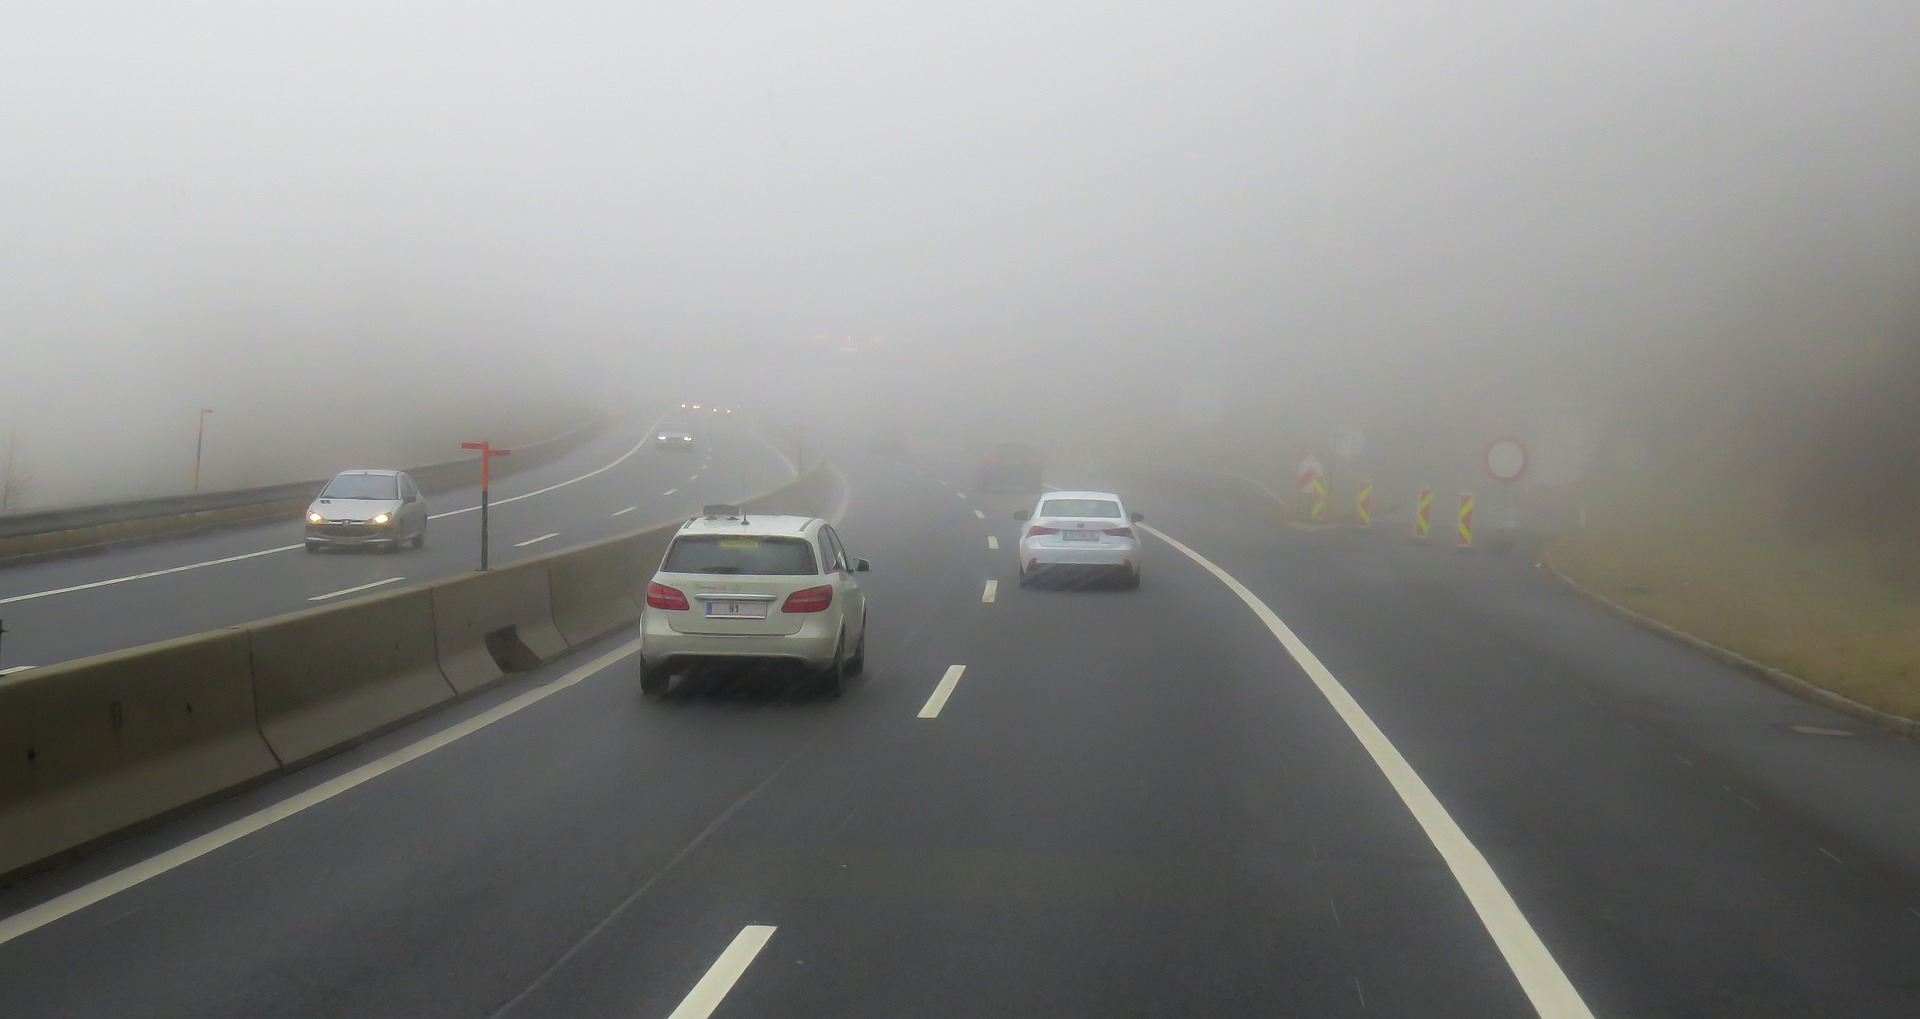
(1119, 532)
(813, 599)
(1039, 529)
(660, 596)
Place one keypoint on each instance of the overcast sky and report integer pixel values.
(280, 208)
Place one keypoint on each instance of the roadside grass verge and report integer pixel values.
(1842, 613)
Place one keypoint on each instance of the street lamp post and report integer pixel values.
(199, 447)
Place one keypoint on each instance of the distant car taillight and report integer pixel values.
(1033, 459)
(1039, 529)
(660, 596)
(813, 599)
(1119, 532)
(990, 459)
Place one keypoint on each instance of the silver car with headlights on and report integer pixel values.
(376, 509)
(738, 588)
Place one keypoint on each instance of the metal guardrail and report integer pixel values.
(214, 508)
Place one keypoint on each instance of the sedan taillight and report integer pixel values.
(660, 596)
(1119, 532)
(813, 599)
(1039, 529)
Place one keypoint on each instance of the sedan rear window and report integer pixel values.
(362, 486)
(1080, 508)
(752, 555)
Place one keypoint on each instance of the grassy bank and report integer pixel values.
(1841, 612)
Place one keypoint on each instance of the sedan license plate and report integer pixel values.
(737, 609)
(1080, 535)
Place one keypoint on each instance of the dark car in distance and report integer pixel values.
(1009, 465)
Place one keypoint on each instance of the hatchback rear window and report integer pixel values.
(753, 555)
(363, 486)
(1079, 508)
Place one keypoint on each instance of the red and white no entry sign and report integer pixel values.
(1506, 459)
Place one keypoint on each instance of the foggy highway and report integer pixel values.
(1624, 724)
(1130, 803)
(67, 608)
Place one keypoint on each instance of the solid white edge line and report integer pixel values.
(1540, 976)
(14, 669)
(534, 541)
(993, 542)
(941, 692)
(624, 457)
(291, 548)
(624, 512)
(724, 973)
(148, 575)
(352, 590)
(100, 889)
(993, 587)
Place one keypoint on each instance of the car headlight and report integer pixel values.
(381, 518)
(314, 518)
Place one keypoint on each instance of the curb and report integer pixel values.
(1899, 725)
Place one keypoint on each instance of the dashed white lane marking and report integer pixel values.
(993, 587)
(17, 668)
(668, 492)
(1540, 976)
(962, 495)
(948, 484)
(624, 512)
(1829, 853)
(101, 889)
(355, 590)
(993, 542)
(724, 973)
(696, 477)
(980, 513)
(531, 541)
(941, 692)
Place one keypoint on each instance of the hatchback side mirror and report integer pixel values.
(1136, 517)
(1022, 515)
(861, 566)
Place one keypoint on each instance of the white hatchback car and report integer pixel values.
(1080, 531)
(740, 588)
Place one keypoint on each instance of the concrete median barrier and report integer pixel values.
(600, 588)
(329, 677)
(487, 624)
(98, 745)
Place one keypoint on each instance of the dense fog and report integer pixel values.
(1262, 219)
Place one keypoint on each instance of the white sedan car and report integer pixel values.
(1080, 532)
(738, 588)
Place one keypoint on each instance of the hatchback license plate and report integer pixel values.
(1080, 535)
(736, 609)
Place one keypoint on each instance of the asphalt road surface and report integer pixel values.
(1429, 784)
(68, 608)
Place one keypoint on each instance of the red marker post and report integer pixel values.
(487, 453)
